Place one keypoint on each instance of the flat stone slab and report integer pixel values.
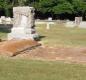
(14, 47)
(82, 24)
(70, 24)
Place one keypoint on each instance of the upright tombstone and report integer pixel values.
(0, 21)
(8, 20)
(3, 19)
(49, 22)
(23, 25)
(78, 20)
(50, 19)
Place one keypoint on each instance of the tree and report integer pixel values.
(58, 7)
(65, 7)
(5, 5)
(21, 2)
(48, 7)
(52, 7)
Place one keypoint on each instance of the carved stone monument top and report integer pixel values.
(23, 10)
(23, 16)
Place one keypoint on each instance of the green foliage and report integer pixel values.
(5, 5)
(21, 2)
(55, 7)
(79, 7)
(63, 8)
(44, 6)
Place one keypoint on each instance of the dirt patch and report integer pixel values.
(22, 48)
(59, 53)
(13, 47)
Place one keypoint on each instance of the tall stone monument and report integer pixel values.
(23, 26)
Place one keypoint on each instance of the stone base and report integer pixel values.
(22, 33)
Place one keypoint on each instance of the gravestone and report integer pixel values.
(49, 22)
(78, 20)
(3, 19)
(50, 19)
(48, 25)
(8, 20)
(0, 21)
(23, 26)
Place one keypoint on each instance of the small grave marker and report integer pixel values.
(78, 20)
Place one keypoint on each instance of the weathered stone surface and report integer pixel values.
(8, 20)
(78, 20)
(23, 26)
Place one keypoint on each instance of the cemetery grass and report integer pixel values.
(22, 69)
(25, 69)
(3, 35)
(58, 35)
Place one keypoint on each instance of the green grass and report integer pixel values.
(3, 35)
(22, 69)
(19, 69)
(60, 35)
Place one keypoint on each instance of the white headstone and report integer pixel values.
(3, 19)
(78, 20)
(8, 20)
(23, 26)
(50, 19)
(0, 21)
(48, 25)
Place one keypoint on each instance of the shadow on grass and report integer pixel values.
(5, 28)
(39, 38)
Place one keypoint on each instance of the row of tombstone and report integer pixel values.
(9, 20)
(77, 23)
(5, 20)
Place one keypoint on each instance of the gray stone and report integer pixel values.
(8, 20)
(78, 20)
(3, 20)
(23, 26)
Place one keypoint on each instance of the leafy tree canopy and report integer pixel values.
(54, 7)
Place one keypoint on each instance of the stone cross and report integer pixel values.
(23, 26)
